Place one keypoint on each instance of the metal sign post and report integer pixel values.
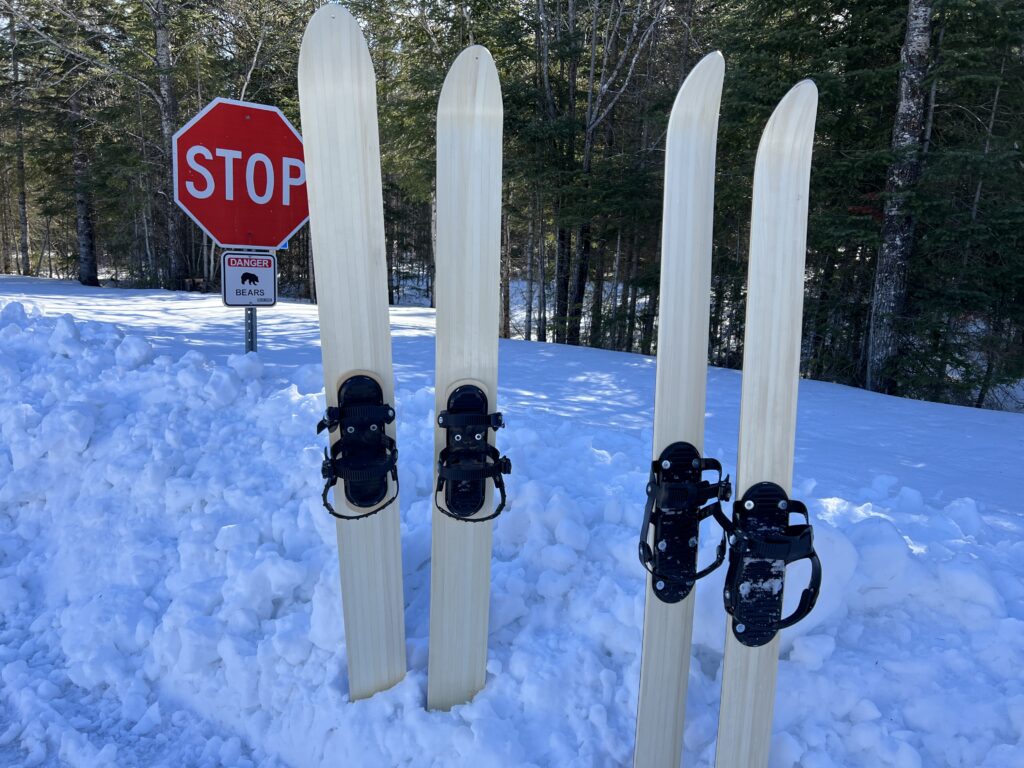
(250, 329)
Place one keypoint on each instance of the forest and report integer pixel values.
(915, 263)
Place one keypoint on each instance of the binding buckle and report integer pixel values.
(677, 503)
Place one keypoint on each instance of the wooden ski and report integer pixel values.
(338, 103)
(680, 389)
(469, 131)
(771, 367)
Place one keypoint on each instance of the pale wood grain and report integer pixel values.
(469, 124)
(681, 383)
(771, 368)
(338, 103)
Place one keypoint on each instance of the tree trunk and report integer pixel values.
(433, 245)
(542, 278)
(890, 289)
(19, 148)
(631, 312)
(506, 278)
(613, 301)
(563, 239)
(311, 283)
(160, 15)
(581, 267)
(596, 337)
(391, 269)
(87, 273)
(530, 256)
(647, 327)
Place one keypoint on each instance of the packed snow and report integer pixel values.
(169, 581)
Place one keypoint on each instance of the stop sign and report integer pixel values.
(239, 174)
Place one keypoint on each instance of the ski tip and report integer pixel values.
(332, 29)
(701, 91)
(804, 91)
(472, 82)
(792, 122)
(472, 55)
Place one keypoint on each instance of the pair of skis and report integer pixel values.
(337, 95)
(680, 495)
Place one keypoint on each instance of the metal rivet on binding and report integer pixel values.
(350, 430)
(662, 545)
(666, 464)
(693, 541)
(660, 585)
(783, 504)
(696, 463)
(741, 628)
(748, 504)
(458, 438)
(373, 427)
(478, 436)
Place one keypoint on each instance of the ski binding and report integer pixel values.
(364, 456)
(467, 461)
(677, 503)
(762, 543)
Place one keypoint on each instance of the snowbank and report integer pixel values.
(169, 582)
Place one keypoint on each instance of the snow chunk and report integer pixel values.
(572, 534)
(65, 338)
(133, 353)
(13, 313)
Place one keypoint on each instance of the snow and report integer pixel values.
(169, 581)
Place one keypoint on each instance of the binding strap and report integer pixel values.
(762, 543)
(677, 503)
(468, 461)
(364, 456)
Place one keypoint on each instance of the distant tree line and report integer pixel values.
(915, 263)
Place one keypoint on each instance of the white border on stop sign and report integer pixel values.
(283, 245)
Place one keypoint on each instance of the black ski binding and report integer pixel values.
(762, 543)
(467, 461)
(364, 455)
(677, 502)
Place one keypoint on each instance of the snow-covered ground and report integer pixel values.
(169, 586)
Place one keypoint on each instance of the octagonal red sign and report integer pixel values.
(239, 173)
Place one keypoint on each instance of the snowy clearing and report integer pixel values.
(169, 581)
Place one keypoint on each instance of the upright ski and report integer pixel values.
(762, 540)
(680, 494)
(338, 102)
(468, 466)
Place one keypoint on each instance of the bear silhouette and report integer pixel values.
(248, 278)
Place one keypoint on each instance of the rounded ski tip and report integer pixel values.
(700, 95)
(714, 61)
(474, 52)
(794, 116)
(472, 78)
(799, 100)
(706, 73)
(805, 91)
(472, 62)
(331, 26)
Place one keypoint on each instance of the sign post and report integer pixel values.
(250, 329)
(249, 279)
(240, 175)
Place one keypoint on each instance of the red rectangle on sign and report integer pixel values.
(251, 262)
